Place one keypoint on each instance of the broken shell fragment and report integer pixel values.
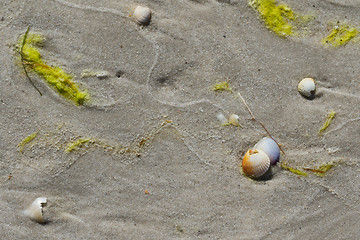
(35, 210)
(255, 163)
(222, 118)
(307, 88)
(142, 15)
(270, 147)
(234, 120)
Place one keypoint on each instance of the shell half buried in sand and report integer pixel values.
(35, 210)
(255, 163)
(307, 88)
(142, 15)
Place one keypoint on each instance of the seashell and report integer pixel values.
(270, 147)
(255, 163)
(142, 15)
(307, 88)
(221, 118)
(102, 74)
(234, 120)
(35, 210)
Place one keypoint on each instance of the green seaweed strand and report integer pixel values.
(27, 140)
(329, 119)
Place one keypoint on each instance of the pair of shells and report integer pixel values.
(233, 120)
(258, 160)
(142, 15)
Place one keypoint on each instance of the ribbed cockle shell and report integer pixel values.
(270, 147)
(255, 163)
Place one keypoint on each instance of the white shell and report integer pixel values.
(234, 120)
(35, 210)
(270, 147)
(307, 87)
(142, 15)
(255, 163)
(102, 74)
(221, 118)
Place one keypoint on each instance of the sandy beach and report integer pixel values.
(145, 156)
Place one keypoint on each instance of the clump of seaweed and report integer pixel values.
(293, 170)
(340, 35)
(223, 86)
(277, 18)
(329, 118)
(280, 18)
(27, 140)
(55, 76)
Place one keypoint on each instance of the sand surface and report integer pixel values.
(184, 181)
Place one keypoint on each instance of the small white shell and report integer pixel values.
(270, 147)
(221, 118)
(142, 15)
(35, 210)
(307, 88)
(255, 163)
(234, 120)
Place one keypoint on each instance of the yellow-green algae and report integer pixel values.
(134, 148)
(222, 86)
(77, 144)
(329, 118)
(321, 170)
(293, 170)
(278, 18)
(340, 35)
(53, 75)
(27, 140)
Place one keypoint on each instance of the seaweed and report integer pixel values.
(329, 119)
(223, 86)
(134, 147)
(277, 18)
(293, 170)
(321, 170)
(77, 144)
(31, 59)
(27, 140)
(179, 229)
(340, 35)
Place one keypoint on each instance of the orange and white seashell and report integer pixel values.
(255, 163)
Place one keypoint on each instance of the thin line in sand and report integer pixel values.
(336, 92)
(95, 9)
(342, 125)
